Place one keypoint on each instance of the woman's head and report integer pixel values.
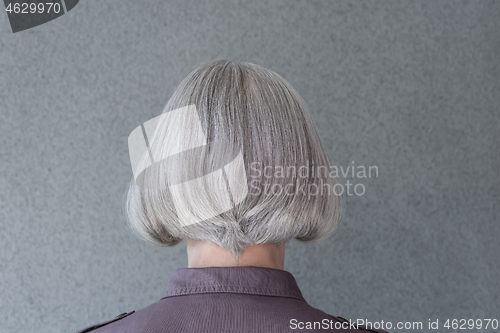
(289, 193)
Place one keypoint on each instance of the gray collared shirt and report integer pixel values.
(228, 299)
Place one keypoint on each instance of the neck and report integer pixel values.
(205, 254)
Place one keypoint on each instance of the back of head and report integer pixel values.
(288, 190)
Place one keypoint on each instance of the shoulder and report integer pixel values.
(96, 326)
(316, 320)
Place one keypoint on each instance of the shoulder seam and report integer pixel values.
(96, 326)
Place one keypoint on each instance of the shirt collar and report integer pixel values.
(242, 280)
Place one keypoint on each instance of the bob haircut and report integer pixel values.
(259, 113)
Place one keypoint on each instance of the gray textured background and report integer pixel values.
(412, 87)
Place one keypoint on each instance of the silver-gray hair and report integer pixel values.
(259, 112)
